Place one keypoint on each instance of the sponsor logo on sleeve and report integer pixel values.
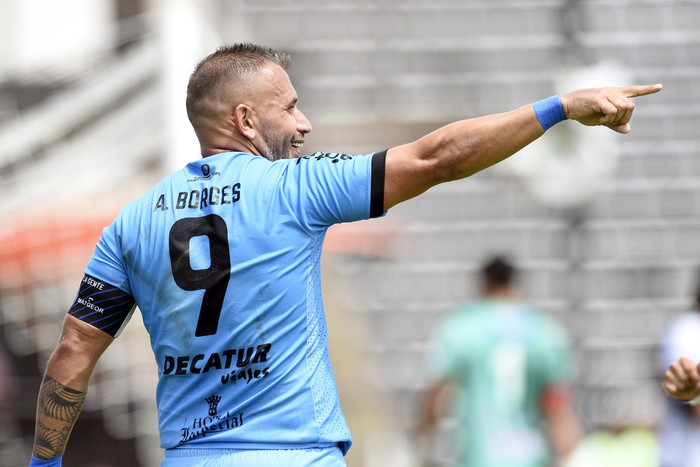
(319, 156)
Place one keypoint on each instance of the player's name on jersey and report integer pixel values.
(200, 199)
(224, 360)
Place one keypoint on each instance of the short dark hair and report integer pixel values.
(227, 65)
(498, 271)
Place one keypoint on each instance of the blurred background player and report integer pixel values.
(509, 368)
(679, 436)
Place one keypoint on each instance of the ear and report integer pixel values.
(243, 120)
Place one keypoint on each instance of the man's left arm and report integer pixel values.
(465, 147)
(64, 388)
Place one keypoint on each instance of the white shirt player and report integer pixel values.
(680, 430)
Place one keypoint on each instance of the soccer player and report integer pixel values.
(222, 259)
(508, 368)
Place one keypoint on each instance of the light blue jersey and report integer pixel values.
(223, 260)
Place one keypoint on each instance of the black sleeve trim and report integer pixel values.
(376, 202)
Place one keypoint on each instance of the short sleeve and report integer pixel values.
(555, 358)
(445, 360)
(680, 340)
(329, 188)
(107, 261)
(104, 299)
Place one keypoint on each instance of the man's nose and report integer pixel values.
(303, 123)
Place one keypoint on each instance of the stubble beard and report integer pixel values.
(274, 156)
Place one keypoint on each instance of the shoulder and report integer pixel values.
(334, 162)
(326, 157)
(464, 319)
(548, 328)
(684, 326)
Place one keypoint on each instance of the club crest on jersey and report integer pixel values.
(213, 402)
(207, 173)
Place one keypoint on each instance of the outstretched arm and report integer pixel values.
(64, 387)
(466, 147)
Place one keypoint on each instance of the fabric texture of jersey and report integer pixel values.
(223, 260)
(317, 457)
(501, 355)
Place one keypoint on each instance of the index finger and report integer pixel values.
(641, 90)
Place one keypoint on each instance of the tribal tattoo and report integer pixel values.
(50, 443)
(59, 406)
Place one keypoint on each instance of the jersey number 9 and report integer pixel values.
(214, 279)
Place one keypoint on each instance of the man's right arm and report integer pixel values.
(466, 147)
(64, 387)
(435, 402)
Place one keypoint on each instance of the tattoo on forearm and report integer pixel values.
(60, 405)
(60, 402)
(50, 443)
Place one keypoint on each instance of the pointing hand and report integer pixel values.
(611, 107)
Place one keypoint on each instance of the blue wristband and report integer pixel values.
(55, 462)
(549, 112)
